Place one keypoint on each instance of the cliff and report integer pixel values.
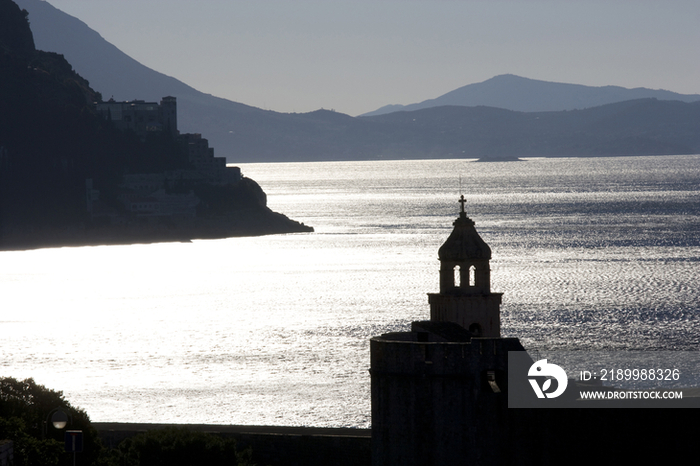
(52, 141)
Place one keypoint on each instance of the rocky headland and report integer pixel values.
(69, 173)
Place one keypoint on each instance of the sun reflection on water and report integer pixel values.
(589, 253)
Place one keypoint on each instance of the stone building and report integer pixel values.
(439, 392)
(143, 118)
(465, 296)
(140, 116)
(207, 167)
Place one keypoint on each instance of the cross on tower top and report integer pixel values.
(462, 201)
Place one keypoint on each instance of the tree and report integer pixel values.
(180, 447)
(25, 410)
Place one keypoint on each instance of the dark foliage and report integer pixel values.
(180, 447)
(25, 418)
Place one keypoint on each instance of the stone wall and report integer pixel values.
(437, 402)
(271, 445)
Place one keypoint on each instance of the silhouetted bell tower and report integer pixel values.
(465, 296)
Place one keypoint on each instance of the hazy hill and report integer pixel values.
(117, 75)
(239, 132)
(247, 134)
(637, 127)
(529, 95)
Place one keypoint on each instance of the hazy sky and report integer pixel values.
(356, 55)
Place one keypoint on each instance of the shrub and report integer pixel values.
(180, 447)
(24, 409)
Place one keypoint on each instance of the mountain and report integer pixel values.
(239, 132)
(529, 95)
(117, 75)
(636, 127)
(242, 133)
(69, 176)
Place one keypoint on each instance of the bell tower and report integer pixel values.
(465, 296)
(440, 391)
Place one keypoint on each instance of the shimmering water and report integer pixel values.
(599, 253)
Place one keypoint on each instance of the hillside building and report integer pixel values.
(143, 117)
(147, 194)
(140, 116)
(207, 167)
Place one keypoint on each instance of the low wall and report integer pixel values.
(6, 453)
(271, 445)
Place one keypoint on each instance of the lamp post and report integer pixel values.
(58, 418)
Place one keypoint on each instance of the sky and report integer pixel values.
(355, 56)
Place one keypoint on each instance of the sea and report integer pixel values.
(591, 254)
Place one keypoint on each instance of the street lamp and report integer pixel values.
(59, 419)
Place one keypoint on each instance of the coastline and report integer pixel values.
(252, 222)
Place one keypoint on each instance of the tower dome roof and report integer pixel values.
(464, 243)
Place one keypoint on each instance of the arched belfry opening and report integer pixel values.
(465, 280)
(464, 259)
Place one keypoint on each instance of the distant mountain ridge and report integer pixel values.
(243, 133)
(512, 92)
(634, 127)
